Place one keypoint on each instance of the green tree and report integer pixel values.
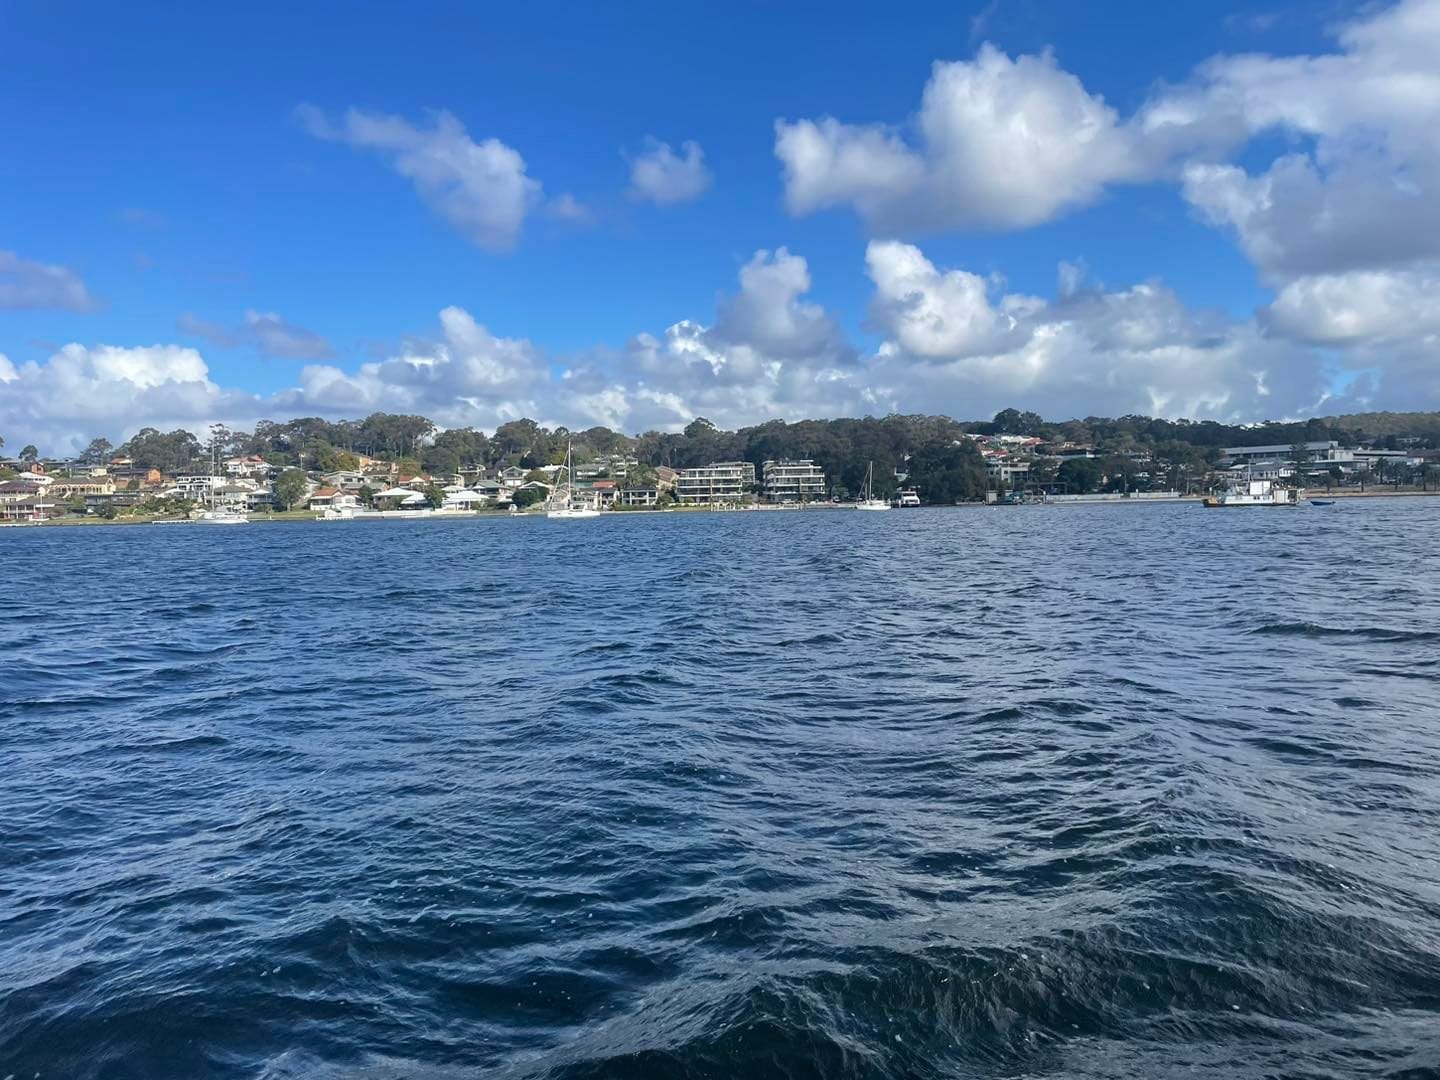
(435, 496)
(290, 487)
(29, 453)
(527, 497)
(171, 452)
(97, 453)
(1080, 476)
(947, 470)
(366, 494)
(1014, 422)
(329, 458)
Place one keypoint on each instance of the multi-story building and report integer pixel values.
(1007, 470)
(646, 497)
(794, 481)
(197, 486)
(722, 482)
(1328, 452)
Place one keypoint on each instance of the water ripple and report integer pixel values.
(1093, 792)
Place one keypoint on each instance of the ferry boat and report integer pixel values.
(907, 498)
(1254, 493)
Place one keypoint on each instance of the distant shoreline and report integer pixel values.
(293, 517)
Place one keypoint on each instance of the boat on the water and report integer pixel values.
(1254, 493)
(867, 500)
(221, 517)
(214, 513)
(562, 503)
(1322, 502)
(907, 498)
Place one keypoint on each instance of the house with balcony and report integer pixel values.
(793, 481)
(28, 508)
(81, 487)
(715, 484)
(640, 498)
(17, 490)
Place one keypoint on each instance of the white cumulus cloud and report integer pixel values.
(661, 176)
(998, 142)
(78, 393)
(481, 188)
(951, 343)
(1363, 189)
(1361, 307)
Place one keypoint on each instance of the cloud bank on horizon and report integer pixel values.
(1323, 169)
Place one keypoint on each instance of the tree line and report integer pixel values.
(927, 448)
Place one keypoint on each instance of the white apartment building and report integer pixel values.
(722, 482)
(794, 481)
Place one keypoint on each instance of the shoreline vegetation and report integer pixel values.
(392, 466)
(301, 516)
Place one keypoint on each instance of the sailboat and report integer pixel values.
(562, 502)
(867, 500)
(215, 514)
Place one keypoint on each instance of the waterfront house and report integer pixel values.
(642, 497)
(397, 497)
(28, 508)
(603, 492)
(464, 499)
(329, 498)
(14, 491)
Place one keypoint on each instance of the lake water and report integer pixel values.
(1037, 792)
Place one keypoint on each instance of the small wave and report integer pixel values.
(1368, 633)
(190, 742)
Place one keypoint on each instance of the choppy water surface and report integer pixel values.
(1072, 792)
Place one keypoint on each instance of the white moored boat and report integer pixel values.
(214, 514)
(867, 500)
(562, 503)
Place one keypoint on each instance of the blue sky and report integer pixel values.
(156, 158)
